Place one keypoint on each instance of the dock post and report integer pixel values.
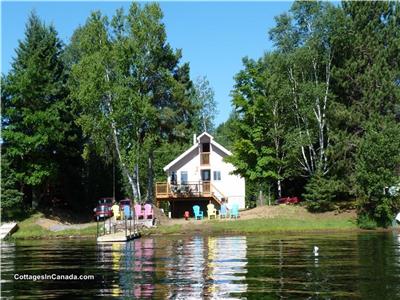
(126, 231)
(130, 226)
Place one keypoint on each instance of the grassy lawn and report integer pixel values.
(260, 225)
(28, 229)
(285, 220)
(281, 224)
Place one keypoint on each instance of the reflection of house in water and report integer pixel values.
(227, 266)
(208, 267)
(185, 268)
(190, 268)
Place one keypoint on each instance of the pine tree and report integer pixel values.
(34, 119)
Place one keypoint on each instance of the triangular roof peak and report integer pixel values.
(205, 133)
(214, 143)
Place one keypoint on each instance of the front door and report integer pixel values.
(206, 178)
(205, 175)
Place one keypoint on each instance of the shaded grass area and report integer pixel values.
(28, 229)
(258, 226)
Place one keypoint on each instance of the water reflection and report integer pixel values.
(191, 267)
(349, 266)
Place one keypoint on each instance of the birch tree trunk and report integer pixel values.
(132, 178)
(150, 178)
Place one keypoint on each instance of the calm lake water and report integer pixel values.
(349, 266)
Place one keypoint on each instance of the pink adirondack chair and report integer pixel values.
(148, 211)
(138, 211)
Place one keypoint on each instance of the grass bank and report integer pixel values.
(258, 220)
(255, 226)
(29, 229)
(262, 224)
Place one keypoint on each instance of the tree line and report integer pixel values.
(318, 117)
(98, 116)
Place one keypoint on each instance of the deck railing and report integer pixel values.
(165, 190)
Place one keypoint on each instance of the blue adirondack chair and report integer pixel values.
(127, 212)
(223, 212)
(235, 211)
(198, 214)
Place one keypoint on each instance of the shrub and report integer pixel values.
(366, 222)
(320, 193)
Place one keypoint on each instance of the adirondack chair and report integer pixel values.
(211, 211)
(235, 211)
(127, 212)
(198, 214)
(148, 211)
(223, 212)
(138, 211)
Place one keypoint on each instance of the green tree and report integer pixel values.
(225, 132)
(254, 153)
(36, 119)
(204, 99)
(129, 86)
(377, 160)
(367, 90)
(11, 197)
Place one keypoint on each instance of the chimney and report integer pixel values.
(194, 139)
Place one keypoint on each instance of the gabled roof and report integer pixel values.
(214, 143)
(205, 133)
(180, 157)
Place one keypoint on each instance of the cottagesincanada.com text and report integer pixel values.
(40, 277)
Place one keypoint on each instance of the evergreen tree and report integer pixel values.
(35, 116)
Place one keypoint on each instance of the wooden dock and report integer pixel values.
(7, 229)
(117, 237)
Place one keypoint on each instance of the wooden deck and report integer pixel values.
(201, 189)
(117, 237)
(121, 230)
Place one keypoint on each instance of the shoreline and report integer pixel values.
(262, 220)
(156, 233)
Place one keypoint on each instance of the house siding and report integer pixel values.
(232, 186)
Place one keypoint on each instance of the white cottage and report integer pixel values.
(198, 176)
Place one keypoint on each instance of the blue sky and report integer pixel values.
(214, 36)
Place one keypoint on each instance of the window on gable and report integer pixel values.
(205, 147)
(217, 175)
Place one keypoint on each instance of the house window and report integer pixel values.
(173, 177)
(205, 175)
(205, 147)
(217, 175)
(184, 177)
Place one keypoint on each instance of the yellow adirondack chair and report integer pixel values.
(211, 211)
(116, 212)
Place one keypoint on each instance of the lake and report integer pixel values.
(349, 265)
